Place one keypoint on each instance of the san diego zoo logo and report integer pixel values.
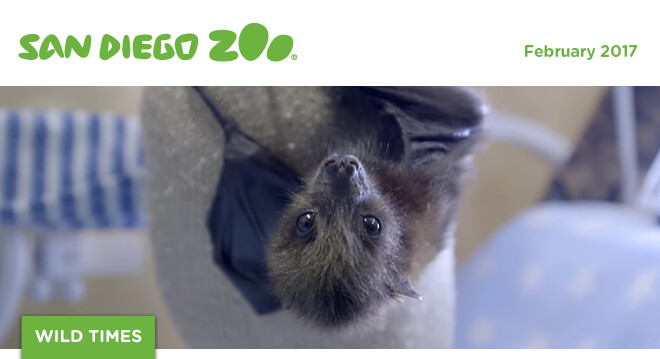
(253, 41)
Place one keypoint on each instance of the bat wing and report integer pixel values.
(252, 193)
(431, 120)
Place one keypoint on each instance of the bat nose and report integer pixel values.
(342, 166)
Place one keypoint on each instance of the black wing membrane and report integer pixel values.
(252, 193)
(432, 120)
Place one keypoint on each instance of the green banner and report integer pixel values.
(99, 337)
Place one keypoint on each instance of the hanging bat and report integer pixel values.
(378, 205)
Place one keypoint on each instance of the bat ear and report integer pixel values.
(404, 289)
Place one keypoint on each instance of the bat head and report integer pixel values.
(337, 255)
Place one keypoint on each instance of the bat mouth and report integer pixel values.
(334, 308)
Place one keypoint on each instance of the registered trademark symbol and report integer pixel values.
(294, 57)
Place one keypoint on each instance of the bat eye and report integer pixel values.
(371, 225)
(305, 222)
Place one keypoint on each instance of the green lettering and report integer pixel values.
(192, 38)
(225, 39)
(252, 41)
(158, 46)
(546, 53)
(45, 51)
(109, 47)
(72, 44)
(280, 48)
(126, 47)
(140, 47)
(30, 52)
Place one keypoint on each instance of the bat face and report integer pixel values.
(336, 255)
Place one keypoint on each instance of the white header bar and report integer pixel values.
(347, 42)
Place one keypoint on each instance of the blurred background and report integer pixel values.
(509, 179)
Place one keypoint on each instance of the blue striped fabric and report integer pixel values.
(70, 170)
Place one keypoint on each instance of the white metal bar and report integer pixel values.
(533, 136)
(624, 125)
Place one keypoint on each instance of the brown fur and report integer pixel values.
(337, 274)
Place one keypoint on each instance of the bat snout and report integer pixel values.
(338, 167)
